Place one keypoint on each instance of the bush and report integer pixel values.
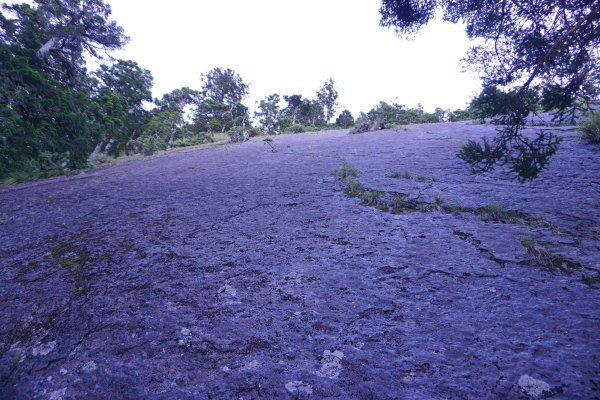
(238, 135)
(363, 124)
(191, 140)
(345, 119)
(53, 161)
(146, 145)
(254, 131)
(590, 128)
(296, 128)
(103, 159)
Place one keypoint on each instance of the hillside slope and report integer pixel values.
(245, 272)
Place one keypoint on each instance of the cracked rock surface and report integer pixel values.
(244, 272)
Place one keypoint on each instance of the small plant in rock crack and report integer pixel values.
(352, 187)
(590, 128)
(269, 141)
(590, 280)
(398, 204)
(371, 198)
(427, 207)
(423, 179)
(346, 176)
(546, 260)
(400, 174)
(345, 172)
(496, 213)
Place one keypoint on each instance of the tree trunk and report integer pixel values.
(49, 45)
(172, 135)
(94, 155)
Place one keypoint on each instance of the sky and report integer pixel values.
(289, 47)
(292, 47)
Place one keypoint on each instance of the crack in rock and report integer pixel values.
(469, 238)
(43, 349)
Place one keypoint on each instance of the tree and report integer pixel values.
(545, 49)
(293, 107)
(219, 103)
(75, 27)
(47, 117)
(345, 119)
(122, 89)
(167, 123)
(269, 115)
(311, 113)
(327, 98)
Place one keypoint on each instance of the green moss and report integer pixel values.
(72, 258)
(528, 244)
(68, 255)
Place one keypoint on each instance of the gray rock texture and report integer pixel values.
(243, 272)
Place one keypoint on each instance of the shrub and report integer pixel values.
(345, 172)
(52, 161)
(363, 124)
(254, 131)
(401, 174)
(103, 159)
(590, 128)
(238, 135)
(191, 140)
(296, 128)
(345, 119)
(146, 145)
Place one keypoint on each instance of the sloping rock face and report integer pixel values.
(244, 272)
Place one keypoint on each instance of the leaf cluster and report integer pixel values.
(541, 52)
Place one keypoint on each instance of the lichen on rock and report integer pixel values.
(533, 387)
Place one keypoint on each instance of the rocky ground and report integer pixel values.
(244, 272)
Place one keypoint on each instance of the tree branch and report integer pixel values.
(557, 44)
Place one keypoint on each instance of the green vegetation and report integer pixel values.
(530, 54)
(56, 116)
(345, 119)
(590, 128)
(296, 128)
(345, 171)
(499, 214)
(395, 116)
(590, 280)
(400, 174)
(545, 259)
(370, 197)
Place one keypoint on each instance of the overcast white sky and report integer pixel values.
(289, 47)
